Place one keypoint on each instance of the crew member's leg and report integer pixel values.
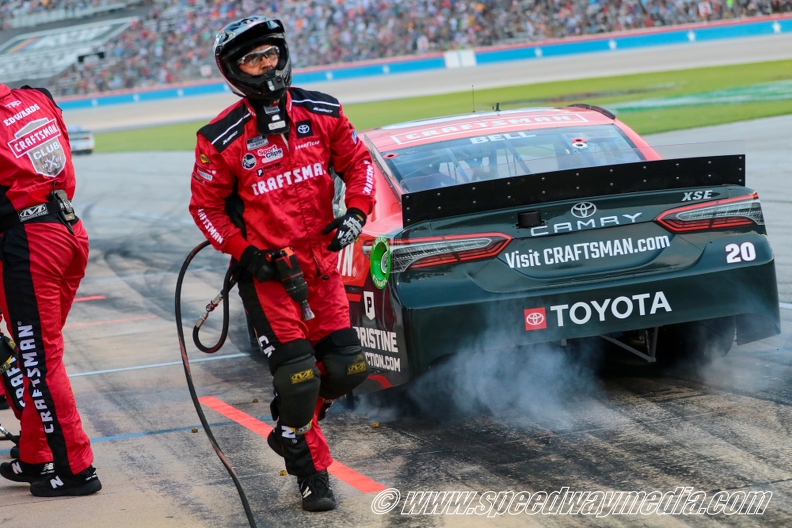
(41, 280)
(338, 351)
(282, 335)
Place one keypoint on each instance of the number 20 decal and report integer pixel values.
(745, 252)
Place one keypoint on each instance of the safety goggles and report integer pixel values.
(254, 57)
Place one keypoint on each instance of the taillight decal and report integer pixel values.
(435, 251)
(720, 214)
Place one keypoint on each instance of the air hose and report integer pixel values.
(228, 283)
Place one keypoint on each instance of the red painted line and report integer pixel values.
(240, 417)
(90, 298)
(339, 470)
(382, 380)
(78, 325)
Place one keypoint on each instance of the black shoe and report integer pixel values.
(316, 492)
(83, 483)
(4, 403)
(14, 452)
(19, 471)
(273, 443)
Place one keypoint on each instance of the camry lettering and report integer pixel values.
(287, 178)
(585, 251)
(621, 308)
(580, 225)
(696, 195)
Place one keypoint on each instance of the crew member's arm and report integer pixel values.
(352, 161)
(212, 182)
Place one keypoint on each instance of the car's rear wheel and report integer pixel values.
(697, 342)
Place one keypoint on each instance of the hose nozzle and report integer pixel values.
(214, 303)
(306, 311)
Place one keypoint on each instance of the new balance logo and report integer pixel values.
(306, 492)
(287, 432)
(49, 466)
(56, 483)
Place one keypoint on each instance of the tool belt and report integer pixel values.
(58, 209)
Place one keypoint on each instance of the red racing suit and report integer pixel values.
(43, 257)
(286, 189)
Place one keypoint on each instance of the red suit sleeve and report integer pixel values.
(352, 161)
(212, 183)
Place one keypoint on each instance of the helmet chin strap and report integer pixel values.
(271, 118)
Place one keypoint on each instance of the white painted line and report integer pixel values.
(785, 306)
(154, 365)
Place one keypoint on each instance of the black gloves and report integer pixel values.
(349, 228)
(256, 262)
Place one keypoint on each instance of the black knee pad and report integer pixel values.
(296, 380)
(344, 362)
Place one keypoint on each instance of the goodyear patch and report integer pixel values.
(305, 375)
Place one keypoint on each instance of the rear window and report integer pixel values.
(513, 153)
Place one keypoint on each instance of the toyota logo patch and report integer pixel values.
(304, 129)
(535, 319)
(583, 209)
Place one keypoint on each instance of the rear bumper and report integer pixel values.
(750, 292)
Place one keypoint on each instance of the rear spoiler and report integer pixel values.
(572, 184)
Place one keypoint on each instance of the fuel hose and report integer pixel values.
(228, 283)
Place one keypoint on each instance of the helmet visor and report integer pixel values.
(254, 58)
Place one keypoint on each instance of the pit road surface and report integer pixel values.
(521, 424)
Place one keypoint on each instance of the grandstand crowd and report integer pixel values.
(173, 43)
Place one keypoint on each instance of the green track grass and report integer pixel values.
(601, 91)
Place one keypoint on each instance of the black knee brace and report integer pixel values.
(344, 361)
(296, 381)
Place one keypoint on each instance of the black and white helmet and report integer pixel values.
(241, 36)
